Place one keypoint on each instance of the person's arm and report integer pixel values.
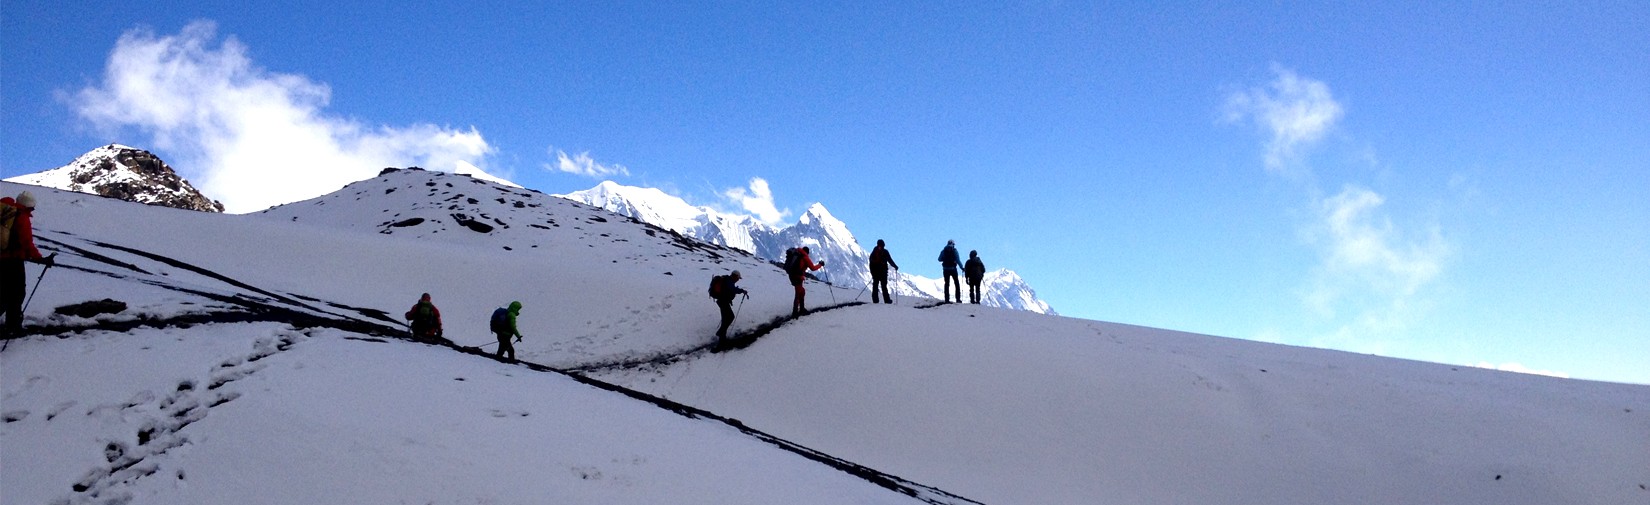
(25, 233)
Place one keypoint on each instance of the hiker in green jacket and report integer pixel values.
(504, 327)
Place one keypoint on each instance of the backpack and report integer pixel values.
(793, 261)
(424, 316)
(8, 218)
(501, 321)
(716, 286)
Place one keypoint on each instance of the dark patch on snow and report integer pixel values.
(368, 339)
(407, 222)
(93, 308)
(92, 255)
(472, 224)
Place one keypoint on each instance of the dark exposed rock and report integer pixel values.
(93, 308)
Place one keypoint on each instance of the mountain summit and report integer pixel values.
(846, 262)
(126, 173)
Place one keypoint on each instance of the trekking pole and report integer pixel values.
(898, 281)
(36, 287)
(830, 287)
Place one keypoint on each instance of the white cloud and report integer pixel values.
(1370, 269)
(583, 164)
(1359, 240)
(758, 201)
(247, 136)
(1520, 368)
(1296, 111)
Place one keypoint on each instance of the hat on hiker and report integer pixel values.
(26, 199)
(736, 275)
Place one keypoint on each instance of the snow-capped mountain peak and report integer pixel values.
(647, 204)
(126, 173)
(828, 239)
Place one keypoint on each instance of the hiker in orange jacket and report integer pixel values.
(798, 270)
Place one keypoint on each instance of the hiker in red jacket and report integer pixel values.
(426, 320)
(798, 264)
(16, 218)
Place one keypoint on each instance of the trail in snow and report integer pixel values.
(739, 340)
(274, 307)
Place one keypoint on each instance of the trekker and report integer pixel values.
(880, 261)
(426, 320)
(723, 289)
(949, 260)
(797, 264)
(974, 272)
(16, 222)
(504, 327)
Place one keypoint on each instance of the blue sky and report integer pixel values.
(1455, 183)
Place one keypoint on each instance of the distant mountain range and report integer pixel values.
(126, 173)
(846, 261)
(136, 175)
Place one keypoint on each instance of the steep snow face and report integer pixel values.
(827, 238)
(126, 173)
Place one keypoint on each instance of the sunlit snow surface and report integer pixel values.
(993, 405)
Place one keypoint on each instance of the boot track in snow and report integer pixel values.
(738, 341)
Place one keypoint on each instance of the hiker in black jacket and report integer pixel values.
(723, 288)
(974, 272)
(949, 260)
(880, 261)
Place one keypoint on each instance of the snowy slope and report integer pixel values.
(994, 405)
(176, 402)
(846, 261)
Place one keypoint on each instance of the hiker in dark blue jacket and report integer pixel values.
(724, 288)
(974, 273)
(950, 260)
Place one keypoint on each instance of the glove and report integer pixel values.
(518, 338)
(49, 260)
(747, 296)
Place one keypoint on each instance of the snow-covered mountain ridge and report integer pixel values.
(126, 173)
(997, 406)
(846, 261)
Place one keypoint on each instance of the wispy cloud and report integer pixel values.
(1297, 112)
(247, 136)
(1372, 274)
(758, 201)
(583, 164)
(1369, 287)
(1358, 240)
